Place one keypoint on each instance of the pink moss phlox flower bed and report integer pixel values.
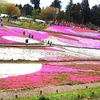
(82, 42)
(87, 41)
(60, 58)
(73, 43)
(85, 79)
(57, 69)
(75, 31)
(48, 75)
(4, 32)
(38, 35)
(77, 41)
(15, 29)
(29, 81)
(53, 73)
(69, 40)
(62, 29)
(63, 36)
(78, 29)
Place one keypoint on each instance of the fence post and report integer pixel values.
(56, 91)
(16, 96)
(40, 92)
(86, 87)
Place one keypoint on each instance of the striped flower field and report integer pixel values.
(68, 59)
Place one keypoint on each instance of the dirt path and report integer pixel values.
(44, 90)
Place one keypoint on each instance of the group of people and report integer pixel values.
(27, 35)
(69, 24)
(32, 37)
(48, 42)
(72, 24)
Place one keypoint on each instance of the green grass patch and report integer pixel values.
(27, 24)
(82, 94)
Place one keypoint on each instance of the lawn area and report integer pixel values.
(26, 24)
(82, 94)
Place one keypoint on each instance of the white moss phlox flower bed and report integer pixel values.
(11, 69)
(19, 39)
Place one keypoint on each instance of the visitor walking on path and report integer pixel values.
(1, 21)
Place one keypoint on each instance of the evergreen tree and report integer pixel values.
(20, 7)
(86, 13)
(68, 14)
(36, 14)
(36, 3)
(60, 15)
(71, 3)
(27, 9)
(56, 4)
(95, 18)
(76, 13)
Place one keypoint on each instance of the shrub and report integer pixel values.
(43, 98)
(91, 26)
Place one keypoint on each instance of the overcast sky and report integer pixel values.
(44, 3)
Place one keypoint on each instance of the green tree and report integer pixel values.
(60, 15)
(48, 13)
(2, 2)
(36, 14)
(76, 13)
(56, 4)
(95, 12)
(36, 3)
(11, 9)
(86, 13)
(27, 9)
(68, 14)
(20, 7)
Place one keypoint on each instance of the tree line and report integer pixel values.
(74, 12)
